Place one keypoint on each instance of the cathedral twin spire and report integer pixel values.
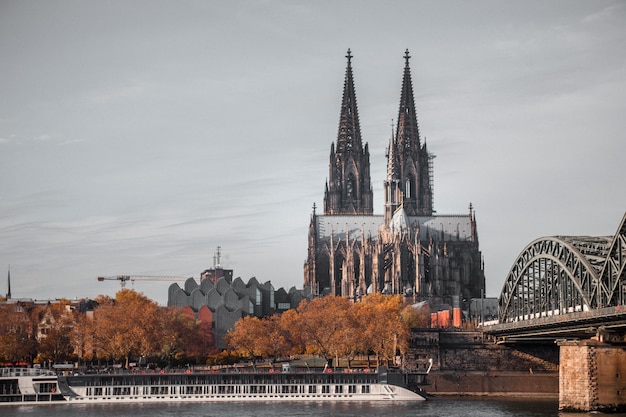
(349, 190)
(408, 182)
(349, 135)
(408, 135)
(409, 176)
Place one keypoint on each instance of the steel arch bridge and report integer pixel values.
(558, 275)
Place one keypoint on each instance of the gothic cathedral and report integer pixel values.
(409, 249)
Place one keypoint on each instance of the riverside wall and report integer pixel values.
(468, 363)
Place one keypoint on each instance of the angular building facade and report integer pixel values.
(409, 249)
(224, 301)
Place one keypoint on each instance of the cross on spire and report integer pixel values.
(349, 56)
(406, 56)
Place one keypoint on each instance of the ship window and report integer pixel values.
(325, 389)
(338, 389)
(365, 389)
(312, 389)
(352, 389)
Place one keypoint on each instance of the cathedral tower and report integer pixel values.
(409, 162)
(348, 189)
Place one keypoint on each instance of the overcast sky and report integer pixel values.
(138, 136)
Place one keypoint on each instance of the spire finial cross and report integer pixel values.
(407, 56)
(349, 56)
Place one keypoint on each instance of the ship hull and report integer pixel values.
(225, 386)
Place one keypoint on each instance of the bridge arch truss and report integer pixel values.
(565, 274)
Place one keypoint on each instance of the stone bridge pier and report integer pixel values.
(592, 376)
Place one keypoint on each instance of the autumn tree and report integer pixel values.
(290, 329)
(268, 337)
(182, 336)
(82, 337)
(243, 337)
(17, 339)
(126, 327)
(55, 329)
(274, 340)
(383, 331)
(326, 325)
(415, 317)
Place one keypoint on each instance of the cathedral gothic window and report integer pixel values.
(350, 186)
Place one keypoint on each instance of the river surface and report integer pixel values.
(436, 407)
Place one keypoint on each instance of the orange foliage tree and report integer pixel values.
(126, 327)
(331, 327)
(17, 339)
(383, 333)
(243, 338)
(415, 317)
(55, 343)
(328, 326)
(181, 336)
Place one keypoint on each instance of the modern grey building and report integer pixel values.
(225, 301)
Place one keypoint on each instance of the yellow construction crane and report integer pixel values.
(132, 278)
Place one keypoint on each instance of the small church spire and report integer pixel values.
(9, 284)
(392, 161)
(393, 196)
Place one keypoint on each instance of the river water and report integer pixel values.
(434, 407)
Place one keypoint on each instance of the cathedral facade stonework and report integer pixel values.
(409, 249)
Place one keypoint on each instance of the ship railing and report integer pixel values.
(18, 372)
